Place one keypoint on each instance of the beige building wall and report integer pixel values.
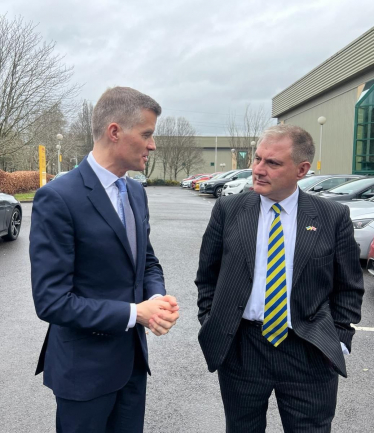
(208, 144)
(337, 132)
(338, 106)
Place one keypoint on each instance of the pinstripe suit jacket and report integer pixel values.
(327, 286)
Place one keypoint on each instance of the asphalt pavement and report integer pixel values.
(183, 397)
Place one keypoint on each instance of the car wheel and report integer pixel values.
(218, 192)
(14, 225)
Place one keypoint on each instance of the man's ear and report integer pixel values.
(303, 169)
(112, 132)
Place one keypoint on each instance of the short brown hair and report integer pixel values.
(303, 148)
(122, 105)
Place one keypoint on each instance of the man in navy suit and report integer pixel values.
(95, 277)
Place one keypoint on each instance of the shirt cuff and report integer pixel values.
(344, 349)
(133, 314)
(155, 296)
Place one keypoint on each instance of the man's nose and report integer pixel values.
(258, 168)
(151, 144)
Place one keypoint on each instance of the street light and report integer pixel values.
(321, 120)
(58, 147)
(222, 165)
(253, 145)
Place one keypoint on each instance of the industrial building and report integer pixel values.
(340, 93)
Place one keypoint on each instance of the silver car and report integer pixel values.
(362, 215)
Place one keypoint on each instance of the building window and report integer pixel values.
(242, 159)
(363, 156)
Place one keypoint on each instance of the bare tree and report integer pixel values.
(33, 82)
(241, 136)
(177, 148)
(164, 138)
(81, 133)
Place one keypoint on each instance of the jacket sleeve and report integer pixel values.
(52, 255)
(348, 287)
(153, 274)
(209, 262)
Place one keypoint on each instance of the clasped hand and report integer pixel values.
(158, 314)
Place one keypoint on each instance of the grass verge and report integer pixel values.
(25, 196)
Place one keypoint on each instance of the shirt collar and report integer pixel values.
(287, 204)
(106, 177)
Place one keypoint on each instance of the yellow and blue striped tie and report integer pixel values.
(275, 328)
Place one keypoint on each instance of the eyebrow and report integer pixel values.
(271, 160)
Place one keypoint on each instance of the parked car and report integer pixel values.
(187, 183)
(196, 182)
(248, 186)
(141, 179)
(362, 215)
(324, 182)
(235, 186)
(358, 189)
(10, 217)
(215, 186)
(193, 176)
(219, 176)
(370, 262)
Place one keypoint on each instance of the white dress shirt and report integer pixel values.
(107, 180)
(254, 309)
(256, 303)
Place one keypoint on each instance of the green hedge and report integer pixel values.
(162, 182)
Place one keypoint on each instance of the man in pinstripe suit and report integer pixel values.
(279, 285)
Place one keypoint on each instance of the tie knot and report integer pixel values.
(121, 184)
(277, 208)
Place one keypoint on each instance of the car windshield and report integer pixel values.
(139, 176)
(226, 174)
(352, 186)
(307, 182)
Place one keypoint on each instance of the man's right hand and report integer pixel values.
(157, 307)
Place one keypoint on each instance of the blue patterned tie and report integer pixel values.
(275, 328)
(126, 215)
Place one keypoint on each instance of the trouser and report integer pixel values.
(118, 412)
(303, 380)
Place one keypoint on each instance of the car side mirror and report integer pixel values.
(234, 178)
(318, 188)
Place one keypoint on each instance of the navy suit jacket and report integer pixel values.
(84, 279)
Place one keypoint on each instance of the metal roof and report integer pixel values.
(351, 60)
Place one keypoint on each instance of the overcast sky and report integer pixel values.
(198, 59)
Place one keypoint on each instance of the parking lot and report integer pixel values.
(182, 395)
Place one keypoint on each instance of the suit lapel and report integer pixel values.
(305, 239)
(247, 220)
(100, 200)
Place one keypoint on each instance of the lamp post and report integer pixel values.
(222, 165)
(321, 120)
(253, 145)
(58, 147)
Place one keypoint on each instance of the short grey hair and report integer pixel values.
(303, 148)
(122, 105)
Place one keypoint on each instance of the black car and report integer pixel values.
(324, 182)
(214, 186)
(10, 217)
(360, 189)
(141, 179)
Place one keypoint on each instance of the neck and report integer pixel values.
(103, 158)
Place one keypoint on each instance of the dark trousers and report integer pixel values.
(119, 412)
(304, 383)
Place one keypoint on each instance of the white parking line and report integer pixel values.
(362, 328)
